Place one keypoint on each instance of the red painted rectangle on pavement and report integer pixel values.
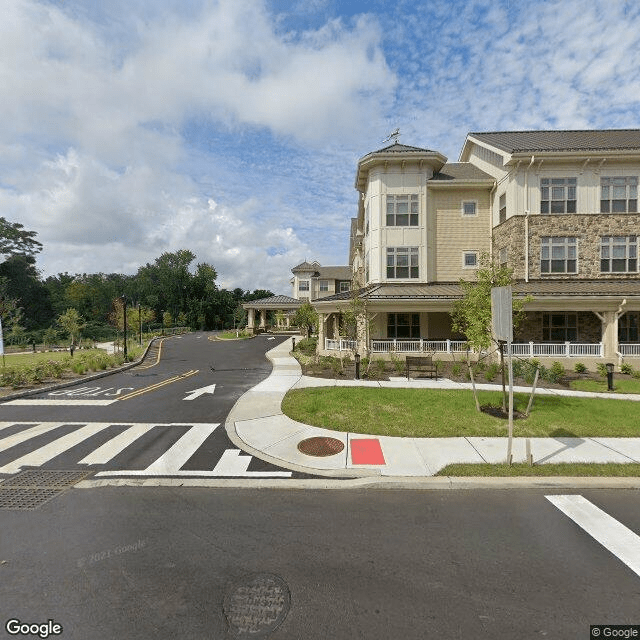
(366, 451)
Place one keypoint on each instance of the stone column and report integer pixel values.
(263, 316)
(361, 332)
(251, 318)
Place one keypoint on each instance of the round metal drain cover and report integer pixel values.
(320, 446)
(257, 605)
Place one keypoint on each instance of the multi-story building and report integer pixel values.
(312, 281)
(560, 208)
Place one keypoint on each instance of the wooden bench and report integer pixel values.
(423, 364)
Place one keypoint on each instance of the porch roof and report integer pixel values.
(273, 303)
(453, 291)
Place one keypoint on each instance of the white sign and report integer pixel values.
(196, 393)
(501, 313)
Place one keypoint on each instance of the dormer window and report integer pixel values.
(402, 210)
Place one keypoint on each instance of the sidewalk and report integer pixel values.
(257, 425)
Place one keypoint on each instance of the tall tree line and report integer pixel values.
(170, 290)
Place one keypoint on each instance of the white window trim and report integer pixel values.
(547, 274)
(301, 288)
(475, 209)
(467, 252)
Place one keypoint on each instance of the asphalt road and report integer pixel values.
(165, 417)
(163, 563)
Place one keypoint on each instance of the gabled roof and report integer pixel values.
(461, 172)
(306, 266)
(576, 140)
(273, 301)
(396, 147)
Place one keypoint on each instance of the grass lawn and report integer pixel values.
(559, 469)
(28, 359)
(231, 335)
(621, 384)
(430, 413)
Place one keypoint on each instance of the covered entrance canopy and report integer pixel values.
(288, 306)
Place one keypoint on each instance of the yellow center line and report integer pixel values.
(158, 385)
(157, 359)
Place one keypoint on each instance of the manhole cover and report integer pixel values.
(33, 488)
(257, 605)
(44, 478)
(320, 446)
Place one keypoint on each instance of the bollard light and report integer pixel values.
(357, 357)
(609, 367)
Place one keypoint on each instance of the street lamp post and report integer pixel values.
(609, 367)
(140, 323)
(124, 308)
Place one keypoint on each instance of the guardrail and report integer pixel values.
(629, 349)
(557, 349)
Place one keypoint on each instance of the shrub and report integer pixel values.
(456, 369)
(381, 365)
(492, 371)
(555, 373)
(636, 374)
(626, 368)
(602, 369)
(307, 346)
(580, 368)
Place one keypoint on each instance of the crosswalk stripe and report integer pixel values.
(611, 534)
(231, 462)
(182, 450)
(27, 434)
(116, 445)
(55, 448)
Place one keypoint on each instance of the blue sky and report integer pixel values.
(131, 127)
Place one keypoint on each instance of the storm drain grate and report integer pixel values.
(32, 488)
(257, 605)
(320, 446)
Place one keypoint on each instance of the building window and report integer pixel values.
(503, 207)
(469, 208)
(618, 254)
(303, 285)
(504, 255)
(628, 327)
(366, 220)
(402, 211)
(402, 262)
(619, 195)
(559, 254)
(323, 285)
(403, 325)
(558, 195)
(559, 327)
(345, 286)
(470, 259)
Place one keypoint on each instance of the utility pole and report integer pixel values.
(124, 307)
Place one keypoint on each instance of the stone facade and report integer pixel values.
(589, 327)
(587, 228)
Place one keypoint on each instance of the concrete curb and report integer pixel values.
(71, 383)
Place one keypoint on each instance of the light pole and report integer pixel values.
(124, 308)
(140, 322)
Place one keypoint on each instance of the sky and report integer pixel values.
(233, 128)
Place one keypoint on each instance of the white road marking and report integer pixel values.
(196, 393)
(55, 448)
(27, 434)
(59, 403)
(232, 463)
(200, 474)
(611, 534)
(171, 461)
(113, 447)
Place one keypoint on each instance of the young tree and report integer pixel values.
(307, 318)
(15, 240)
(72, 322)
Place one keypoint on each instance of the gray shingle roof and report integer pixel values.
(396, 147)
(272, 301)
(461, 171)
(305, 266)
(579, 140)
(538, 288)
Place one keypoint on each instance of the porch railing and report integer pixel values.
(629, 349)
(340, 345)
(558, 350)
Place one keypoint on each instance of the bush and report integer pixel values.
(580, 368)
(626, 368)
(307, 346)
(636, 374)
(602, 369)
(492, 371)
(555, 373)
(456, 370)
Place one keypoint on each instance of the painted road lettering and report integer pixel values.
(92, 391)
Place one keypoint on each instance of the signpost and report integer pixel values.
(502, 325)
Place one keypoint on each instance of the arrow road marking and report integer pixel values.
(611, 534)
(196, 393)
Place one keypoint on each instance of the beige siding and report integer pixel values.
(456, 233)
